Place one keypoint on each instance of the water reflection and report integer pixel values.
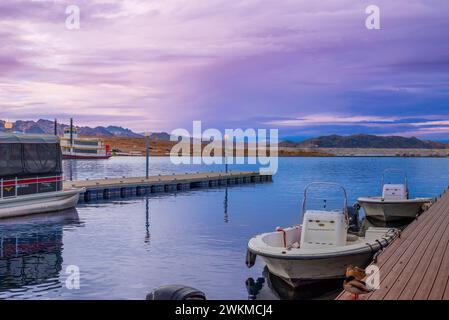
(147, 220)
(70, 169)
(31, 249)
(272, 287)
(226, 215)
(113, 246)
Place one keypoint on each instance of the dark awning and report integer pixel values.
(27, 138)
(25, 155)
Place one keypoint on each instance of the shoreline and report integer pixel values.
(161, 148)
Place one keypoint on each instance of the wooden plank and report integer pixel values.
(439, 286)
(428, 282)
(425, 218)
(408, 281)
(446, 291)
(393, 268)
(399, 263)
(396, 256)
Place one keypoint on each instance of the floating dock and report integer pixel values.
(416, 265)
(108, 188)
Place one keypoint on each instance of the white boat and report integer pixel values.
(75, 147)
(31, 176)
(394, 204)
(320, 248)
(38, 203)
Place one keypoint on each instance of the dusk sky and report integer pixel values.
(306, 67)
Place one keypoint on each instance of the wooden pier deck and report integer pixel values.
(416, 265)
(103, 189)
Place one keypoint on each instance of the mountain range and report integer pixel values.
(47, 127)
(366, 141)
(363, 141)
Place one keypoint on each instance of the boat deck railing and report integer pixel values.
(11, 187)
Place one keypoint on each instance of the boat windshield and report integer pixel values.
(325, 197)
(394, 176)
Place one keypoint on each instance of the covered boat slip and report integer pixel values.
(29, 164)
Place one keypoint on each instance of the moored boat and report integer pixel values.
(320, 248)
(31, 176)
(75, 147)
(394, 204)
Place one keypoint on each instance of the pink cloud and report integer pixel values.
(163, 63)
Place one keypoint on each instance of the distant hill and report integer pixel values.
(47, 127)
(162, 136)
(366, 141)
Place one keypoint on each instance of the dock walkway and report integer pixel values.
(103, 189)
(416, 265)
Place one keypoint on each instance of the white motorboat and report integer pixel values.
(38, 203)
(394, 204)
(320, 248)
(31, 176)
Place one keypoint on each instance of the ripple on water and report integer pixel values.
(126, 248)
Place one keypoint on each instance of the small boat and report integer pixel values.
(320, 248)
(394, 204)
(38, 203)
(31, 176)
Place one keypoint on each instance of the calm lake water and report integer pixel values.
(125, 248)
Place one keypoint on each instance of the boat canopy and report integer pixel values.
(27, 138)
(23, 155)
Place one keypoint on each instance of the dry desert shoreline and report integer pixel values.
(136, 146)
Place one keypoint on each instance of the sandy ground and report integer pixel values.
(162, 148)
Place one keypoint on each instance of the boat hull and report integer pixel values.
(39, 203)
(300, 272)
(86, 157)
(389, 211)
(304, 265)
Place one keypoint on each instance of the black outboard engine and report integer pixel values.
(353, 215)
(176, 292)
(254, 287)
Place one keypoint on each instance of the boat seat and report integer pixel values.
(394, 192)
(323, 229)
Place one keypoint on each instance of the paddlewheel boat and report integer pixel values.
(31, 176)
(74, 147)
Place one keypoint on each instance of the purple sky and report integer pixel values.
(306, 67)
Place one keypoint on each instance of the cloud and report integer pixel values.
(333, 119)
(164, 63)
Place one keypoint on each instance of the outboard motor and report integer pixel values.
(254, 287)
(176, 292)
(353, 215)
